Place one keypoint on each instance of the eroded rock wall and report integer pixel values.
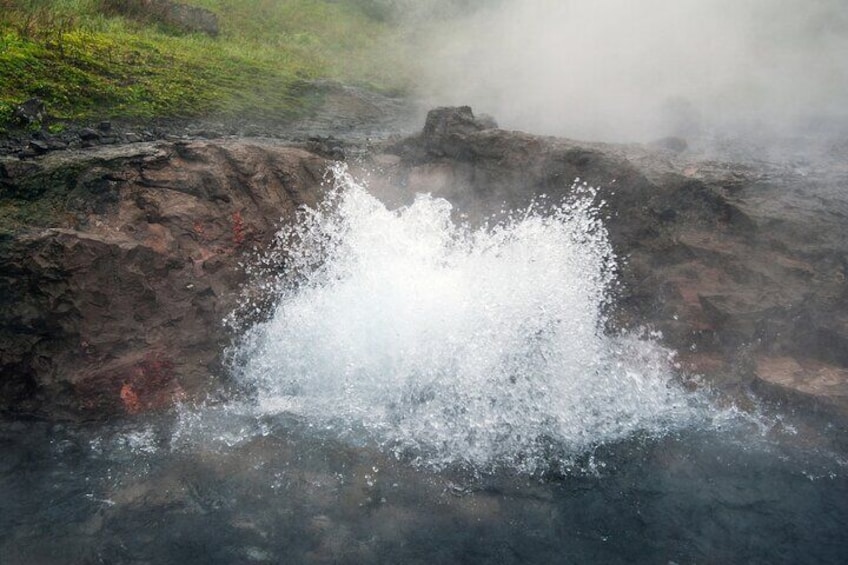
(116, 306)
(119, 308)
(740, 267)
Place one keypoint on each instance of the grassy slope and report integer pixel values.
(85, 65)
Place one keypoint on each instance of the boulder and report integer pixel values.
(89, 134)
(445, 124)
(31, 113)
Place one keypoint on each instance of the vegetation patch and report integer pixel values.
(87, 60)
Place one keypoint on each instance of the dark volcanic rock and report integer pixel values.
(32, 112)
(740, 267)
(444, 125)
(119, 307)
(89, 134)
(116, 304)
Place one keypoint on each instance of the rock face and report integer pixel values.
(117, 306)
(741, 267)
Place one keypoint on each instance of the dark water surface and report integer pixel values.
(274, 490)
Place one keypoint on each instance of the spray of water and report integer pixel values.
(452, 345)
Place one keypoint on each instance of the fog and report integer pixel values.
(627, 70)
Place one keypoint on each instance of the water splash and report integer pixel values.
(449, 344)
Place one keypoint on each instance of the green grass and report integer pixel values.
(88, 65)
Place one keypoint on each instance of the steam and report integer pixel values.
(620, 70)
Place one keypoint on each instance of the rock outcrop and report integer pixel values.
(740, 267)
(117, 305)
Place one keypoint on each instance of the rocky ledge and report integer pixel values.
(740, 267)
(116, 305)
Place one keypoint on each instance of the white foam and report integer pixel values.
(456, 345)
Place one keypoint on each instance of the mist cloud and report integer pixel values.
(622, 70)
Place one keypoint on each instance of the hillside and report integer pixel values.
(120, 59)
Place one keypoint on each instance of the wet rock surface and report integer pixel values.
(117, 306)
(741, 267)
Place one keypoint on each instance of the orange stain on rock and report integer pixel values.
(238, 228)
(129, 397)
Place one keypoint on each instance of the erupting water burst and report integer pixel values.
(456, 345)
